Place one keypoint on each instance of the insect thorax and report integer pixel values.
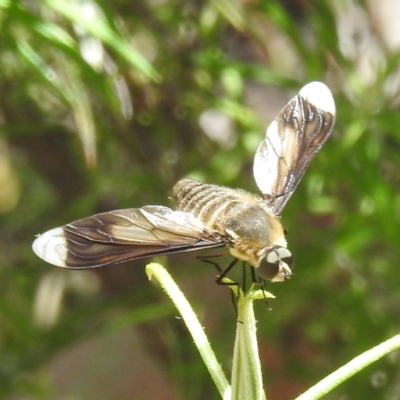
(240, 215)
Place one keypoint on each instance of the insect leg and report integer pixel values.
(261, 283)
(207, 259)
(254, 277)
(224, 273)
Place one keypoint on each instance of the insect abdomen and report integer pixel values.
(209, 203)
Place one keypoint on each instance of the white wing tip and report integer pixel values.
(51, 247)
(318, 94)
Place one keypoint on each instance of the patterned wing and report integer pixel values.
(291, 141)
(122, 235)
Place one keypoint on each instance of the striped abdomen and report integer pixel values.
(243, 216)
(209, 203)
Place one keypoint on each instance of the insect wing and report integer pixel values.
(122, 235)
(291, 141)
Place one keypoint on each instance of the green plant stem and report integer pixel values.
(351, 368)
(246, 369)
(194, 326)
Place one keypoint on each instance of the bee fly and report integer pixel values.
(210, 216)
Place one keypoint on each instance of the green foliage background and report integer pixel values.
(100, 108)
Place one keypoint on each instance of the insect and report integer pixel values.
(210, 216)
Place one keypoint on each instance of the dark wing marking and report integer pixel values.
(122, 235)
(291, 141)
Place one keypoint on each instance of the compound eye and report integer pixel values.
(276, 265)
(272, 258)
(284, 255)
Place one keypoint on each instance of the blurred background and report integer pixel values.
(105, 105)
